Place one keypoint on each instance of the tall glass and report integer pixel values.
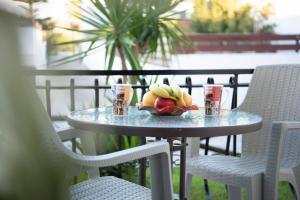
(121, 98)
(212, 99)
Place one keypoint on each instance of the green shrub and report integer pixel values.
(229, 16)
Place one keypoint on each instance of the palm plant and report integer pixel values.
(133, 29)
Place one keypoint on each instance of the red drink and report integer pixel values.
(212, 99)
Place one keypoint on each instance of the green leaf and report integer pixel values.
(101, 8)
(130, 55)
(162, 48)
(125, 142)
(93, 31)
(112, 57)
(91, 12)
(74, 57)
(88, 20)
(78, 41)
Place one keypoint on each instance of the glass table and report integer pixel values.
(189, 124)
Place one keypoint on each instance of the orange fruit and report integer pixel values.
(187, 99)
(149, 99)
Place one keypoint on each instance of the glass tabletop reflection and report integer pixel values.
(189, 119)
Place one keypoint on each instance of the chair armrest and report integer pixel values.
(159, 156)
(119, 157)
(289, 124)
(64, 131)
(67, 134)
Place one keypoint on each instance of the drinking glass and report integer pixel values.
(121, 98)
(213, 98)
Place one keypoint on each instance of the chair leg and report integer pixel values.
(254, 191)
(74, 144)
(206, 189)
(89, 148)
(188, 185)
(234, 193)
(296, 174)
(293, 190)
(161, 178)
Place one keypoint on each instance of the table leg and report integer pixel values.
(170, 141)
(119, 141)
(143, 166)
(182, 169)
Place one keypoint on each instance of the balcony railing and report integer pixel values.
(47, 87)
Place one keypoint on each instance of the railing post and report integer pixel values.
(234, 105)
(166, 81)
(72, 108)
(119, 81)
(170, 140)
(182, 168)
(96, 93)
(188, 82)
(72, 94)
(210, 80)
(143, 161)
(297, 43)
(119, 139)
(143, 84)
(48, 97)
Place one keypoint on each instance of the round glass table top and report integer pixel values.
(142, 123)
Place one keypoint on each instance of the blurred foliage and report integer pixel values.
(54, 37)
(230, 16)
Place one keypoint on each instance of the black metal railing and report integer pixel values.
(143, 86)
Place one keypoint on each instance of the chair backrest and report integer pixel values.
(274, 93)
(29, 145)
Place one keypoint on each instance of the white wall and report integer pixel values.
(33, 48)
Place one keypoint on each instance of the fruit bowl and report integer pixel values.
(165, 100)
(168, 110)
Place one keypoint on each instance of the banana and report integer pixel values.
(180, 103)
(162, 91)
(152, 86)
(159, 91)
(177, 92)
(166, 87)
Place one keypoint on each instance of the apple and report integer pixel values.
(161, 102)
(166, 110)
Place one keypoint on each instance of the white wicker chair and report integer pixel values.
(274, 93)
(23, 114)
